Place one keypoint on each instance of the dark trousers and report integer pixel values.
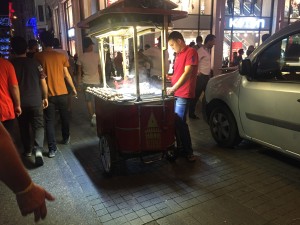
(31, 121)
(59, 103)
(200, 87)
(10, 126)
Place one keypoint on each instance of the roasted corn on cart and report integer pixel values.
(140, 120)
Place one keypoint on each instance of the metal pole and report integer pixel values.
(136, 68)
(199, 12)
(124, 57)
(101, 53)
(164, 48)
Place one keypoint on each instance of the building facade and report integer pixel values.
(236, 24)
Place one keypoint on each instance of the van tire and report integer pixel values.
(223, 127)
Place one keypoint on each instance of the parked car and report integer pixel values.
(261, 100)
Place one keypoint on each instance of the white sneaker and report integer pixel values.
(39, 161)
(93, 120)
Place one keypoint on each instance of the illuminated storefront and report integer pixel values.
(236, 23)
(292, 10)
(245, 23)
(5, 27)
(198, 22)
(70, 27)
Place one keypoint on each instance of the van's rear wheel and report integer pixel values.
(223, 127)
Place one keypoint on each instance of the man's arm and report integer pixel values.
(44, 86)
(15, 93)
(44, 92)
(12, 172)
(69, 80)
(30, 197)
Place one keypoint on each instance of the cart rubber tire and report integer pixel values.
(107, 153)
(223, 127)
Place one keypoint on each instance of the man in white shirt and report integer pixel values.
(88, 74)
(199, 41)
(204, 72)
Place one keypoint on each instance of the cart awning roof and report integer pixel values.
(122, 14)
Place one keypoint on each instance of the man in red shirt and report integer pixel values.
(183, 88)
(10, 104)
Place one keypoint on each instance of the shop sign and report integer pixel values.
(4, 40)
(4, 21)
(247, 23)
(31, 22)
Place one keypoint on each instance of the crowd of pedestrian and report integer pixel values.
(35, 85)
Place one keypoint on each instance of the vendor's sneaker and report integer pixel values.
(39, 160)
(93, 120)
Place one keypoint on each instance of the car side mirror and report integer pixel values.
(245, 67)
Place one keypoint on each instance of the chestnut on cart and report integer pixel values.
(135, 118)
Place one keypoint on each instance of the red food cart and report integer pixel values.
(140, 120)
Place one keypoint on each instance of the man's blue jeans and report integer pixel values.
(182, 129)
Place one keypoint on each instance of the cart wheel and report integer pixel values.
(107, 153)
(172, 153)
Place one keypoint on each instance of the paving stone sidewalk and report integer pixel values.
(248, 185)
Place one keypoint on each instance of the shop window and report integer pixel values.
(280, 62)
(293, 8)
(202, 7)
(248, 7)
(69, 14)
(236, 40)
(41, 13)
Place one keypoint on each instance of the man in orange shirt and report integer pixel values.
(55, 65)
(10, 104)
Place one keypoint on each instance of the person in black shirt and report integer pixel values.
(240, 56)
(33, 47)
(33, 92)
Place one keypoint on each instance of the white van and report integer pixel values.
(261, 100)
